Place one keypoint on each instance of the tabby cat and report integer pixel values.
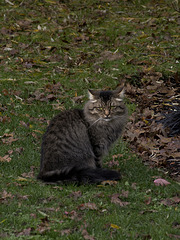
(76, 140)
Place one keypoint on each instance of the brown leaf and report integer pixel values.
(112, 163)
(76, 195)
(51, 97)
(109, 182)
(115, 199)
(42, 229)
(171, 201)
(148, 201)
(161, 182)
(6, 158)
(44, 225)
(25, 197)
(134, 186)
(174, 236)
(8, 138)
(10, 152)
(5, 92)
(19, 150)
(25, 232)
(117, 156)
(5, 195)
(86, 235)
(91, 206)
(149, 211)
(73, 215)
(23, 124)
(176, 199)
(4, 119)
(24, 24)
(124, 194)
(77, 99)
(164, 139)
(30, 174)
(65, 232)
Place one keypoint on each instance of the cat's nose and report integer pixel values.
(106, 112)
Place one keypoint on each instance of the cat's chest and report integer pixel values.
(99, 133)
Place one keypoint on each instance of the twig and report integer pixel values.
(7, 1)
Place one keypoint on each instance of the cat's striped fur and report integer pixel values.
(76, 140)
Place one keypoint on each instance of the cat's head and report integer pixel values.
(105, 105)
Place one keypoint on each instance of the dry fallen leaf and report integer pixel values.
(115, 199)
(174, 236)
(65, 232)
(8, 138)
(29, 174)
(124, 194)
(5, 195)
(76, 195)
(25, 232)
(148, 201)
(88, 205)
(86, 235)
(109, 182)
(161, 182)
(171, 201)
(6, 158)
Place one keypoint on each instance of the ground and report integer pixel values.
(51, 53)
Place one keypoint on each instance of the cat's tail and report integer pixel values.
(85, 175)
(97, 175)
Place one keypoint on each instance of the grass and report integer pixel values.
(45, 43)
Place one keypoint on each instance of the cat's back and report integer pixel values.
(66, 142)
(67, 120)
(65, 129)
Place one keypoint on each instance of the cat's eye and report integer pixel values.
(114, 107)
(96, 108)
(99, 108)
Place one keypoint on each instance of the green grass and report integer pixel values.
(44, 43)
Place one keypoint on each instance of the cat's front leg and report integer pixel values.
(99, 151)
(98, 162)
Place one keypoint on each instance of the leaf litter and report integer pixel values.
(8, 138)
(149, 133)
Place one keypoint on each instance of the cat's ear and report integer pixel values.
(119, 94)
(92, 95)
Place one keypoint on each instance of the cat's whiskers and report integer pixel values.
(96, 122)
(104, 119)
